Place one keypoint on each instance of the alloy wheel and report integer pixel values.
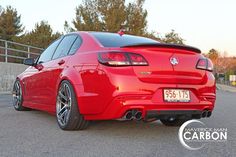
(63, 104)
(17, 95)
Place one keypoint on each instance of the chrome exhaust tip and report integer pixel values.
(128, 115)
(138, 115)
(204, 114)
(209, 113)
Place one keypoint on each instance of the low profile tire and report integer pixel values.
(173, 121)
(18, 97)
(67, 112)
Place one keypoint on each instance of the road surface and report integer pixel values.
(36, 134)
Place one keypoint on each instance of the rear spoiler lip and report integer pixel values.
(164, 45)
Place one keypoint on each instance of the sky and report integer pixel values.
(204, 24)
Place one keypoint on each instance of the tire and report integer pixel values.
(67, 111)
(17, 96)
(173, 121)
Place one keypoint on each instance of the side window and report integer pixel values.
(75, 45)
(47, 54)
(64, 46)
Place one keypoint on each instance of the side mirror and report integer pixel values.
(29, 61)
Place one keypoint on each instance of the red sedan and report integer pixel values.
(86, 76)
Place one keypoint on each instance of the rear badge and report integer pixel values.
(174, 61)
(145, 73)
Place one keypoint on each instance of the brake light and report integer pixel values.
(121, 59)
(113, 58)
(209, 65)
(137, 59)
(204, 64)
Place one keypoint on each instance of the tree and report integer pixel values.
(10, 23)
(136, 18)
(173, 38)
(214, 55)
(67, 27)
(41, 36)
(112, 14)
(87, 16)
(222, 63)
(153, 35)
(107, 15)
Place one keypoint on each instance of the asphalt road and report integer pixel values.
(36, 134)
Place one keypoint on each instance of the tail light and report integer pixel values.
(121, 59)
(205, 64)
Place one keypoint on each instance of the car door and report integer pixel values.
(38, 77)
(56, 66)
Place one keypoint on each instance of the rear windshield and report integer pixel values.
(115, 40)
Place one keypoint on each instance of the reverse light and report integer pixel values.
(121, 59)
(204, 64)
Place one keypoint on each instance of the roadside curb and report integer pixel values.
(226, 88)
(5, 93)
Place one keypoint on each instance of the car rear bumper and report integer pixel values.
(115, 94)
(122, 104)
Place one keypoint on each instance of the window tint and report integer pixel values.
(47, 54)
(115, 40)
(75, 46)
(64, 46)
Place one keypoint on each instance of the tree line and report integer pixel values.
(91, 15)
(12, 29)
(99, 15)
(223, 64)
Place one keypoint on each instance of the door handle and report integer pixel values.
(39, 67)
(61, 62)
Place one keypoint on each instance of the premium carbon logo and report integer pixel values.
(194, 134)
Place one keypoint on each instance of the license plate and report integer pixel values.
(176, 95)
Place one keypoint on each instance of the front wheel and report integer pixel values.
(67, 111)
(17, 96)
(173, 121)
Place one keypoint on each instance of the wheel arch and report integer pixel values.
(73, 84)
(21, 83)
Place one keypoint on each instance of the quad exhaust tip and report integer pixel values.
(138, 115)
(206, 113)
(129, 115)
(133, 114)
(209, 113)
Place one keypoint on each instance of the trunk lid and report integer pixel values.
(161, 70)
